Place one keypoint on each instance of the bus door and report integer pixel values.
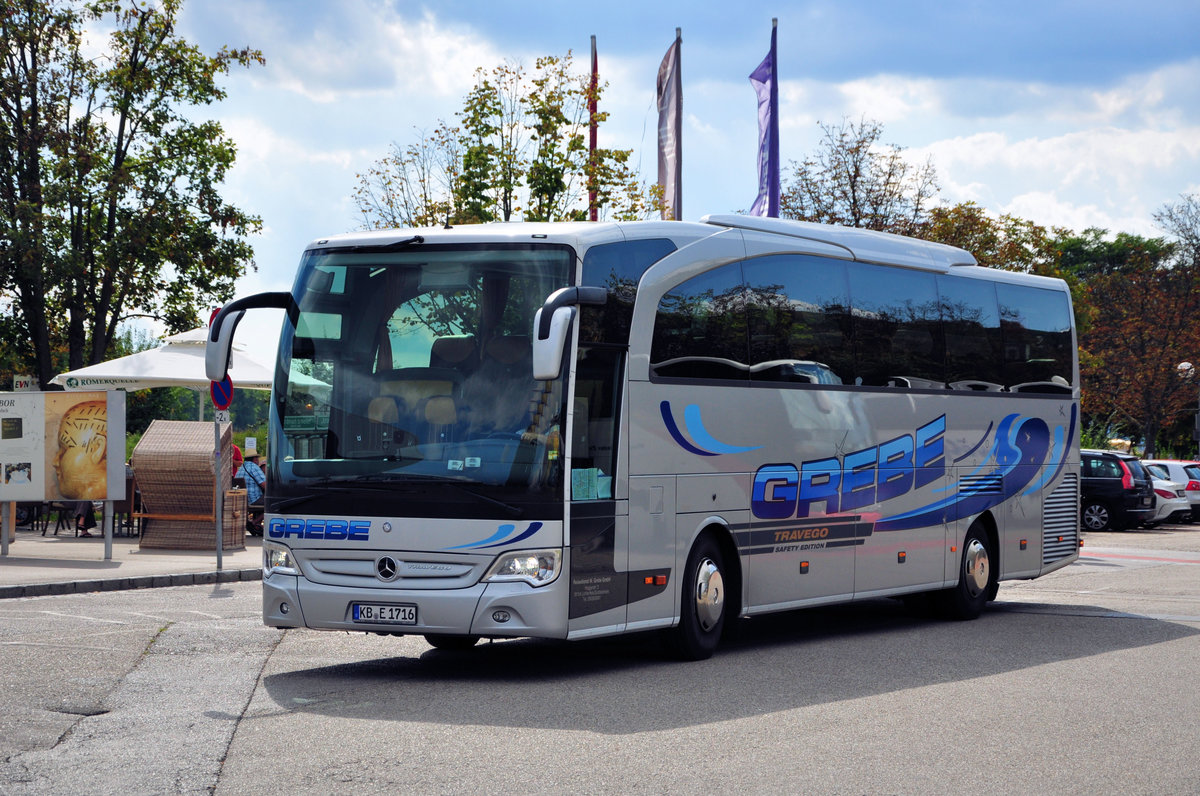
(599, 521)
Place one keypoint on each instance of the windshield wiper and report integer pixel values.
(382, 247)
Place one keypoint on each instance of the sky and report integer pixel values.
(1066, 114)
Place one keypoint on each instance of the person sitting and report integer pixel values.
(85, 518)
(255, 479)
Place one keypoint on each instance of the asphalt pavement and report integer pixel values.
(38, 565)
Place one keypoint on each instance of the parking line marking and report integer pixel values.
(1140, 558)
(85, 618)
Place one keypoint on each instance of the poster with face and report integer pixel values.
(79, 453)
(85, 445)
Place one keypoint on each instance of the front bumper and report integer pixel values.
(494, 610)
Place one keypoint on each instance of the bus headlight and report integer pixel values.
(535, 567)
(277, 559)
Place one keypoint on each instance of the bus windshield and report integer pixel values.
(407, 377)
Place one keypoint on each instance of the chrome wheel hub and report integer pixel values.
(710, 594)
(978, 568)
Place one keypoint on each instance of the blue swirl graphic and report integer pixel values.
(673, 430)
(1020, 449)
(500, 537)
(1061, 443)
(705, 443)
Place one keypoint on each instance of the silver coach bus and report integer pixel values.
(575, 430)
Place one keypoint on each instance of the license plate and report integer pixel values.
(385, 614)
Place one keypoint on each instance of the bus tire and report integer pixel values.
(703, 607)
(976, 578)
(444, 641)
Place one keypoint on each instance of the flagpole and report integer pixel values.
(677, 204)
(773, 204)
(593, 211)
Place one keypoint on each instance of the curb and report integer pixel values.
(121, 584)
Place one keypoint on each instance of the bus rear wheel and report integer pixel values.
(977, 579)
(702, 610)
(443, 641)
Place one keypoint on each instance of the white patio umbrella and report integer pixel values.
(178, 362)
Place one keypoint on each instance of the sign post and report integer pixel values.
(222, 395)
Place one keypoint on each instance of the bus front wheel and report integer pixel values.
(702, 610)
(976, 578)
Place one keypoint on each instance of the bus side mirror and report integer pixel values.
(220, 331)
(552, 326)
(548, 351)
(220, 343)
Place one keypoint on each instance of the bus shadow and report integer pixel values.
(779, 662)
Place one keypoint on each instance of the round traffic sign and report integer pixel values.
(221, 392)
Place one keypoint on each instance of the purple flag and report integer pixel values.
(670, 134)
(765, 80)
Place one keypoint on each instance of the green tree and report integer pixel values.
(412, 186)
(1145, 330)
(1181, 221)
(855, 181)
(109, 188)
(1007, 242)
(520, 149)
(1146, 292)
(1091, 253)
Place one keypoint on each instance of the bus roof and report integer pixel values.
(857, 244)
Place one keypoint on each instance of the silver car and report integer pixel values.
(1182, 472)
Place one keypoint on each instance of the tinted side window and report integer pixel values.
(1158, 471)
(797, 309)
(1101, 468)
(617, 267)
(897, 334)
(700, 328)
(971, 325)
(1136, 468)
(1036, 324)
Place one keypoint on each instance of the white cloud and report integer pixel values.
(334, 53)
(345, 80)
(888, 99)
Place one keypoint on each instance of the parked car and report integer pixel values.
(1183, 472)
(1116, 491)
(1172, 504)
